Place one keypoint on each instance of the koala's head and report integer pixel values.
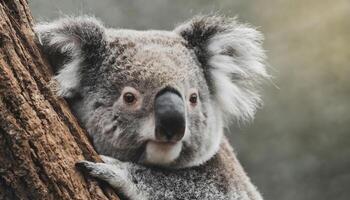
(156, 97)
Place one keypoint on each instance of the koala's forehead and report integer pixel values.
(155, 58)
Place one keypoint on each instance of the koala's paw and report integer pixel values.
(115, 175)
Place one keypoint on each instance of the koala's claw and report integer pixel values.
(85, 166)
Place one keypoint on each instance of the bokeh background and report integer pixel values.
(298, 147)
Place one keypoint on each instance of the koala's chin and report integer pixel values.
(162, 153)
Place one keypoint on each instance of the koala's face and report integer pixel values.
(150, 102)
(156, 97)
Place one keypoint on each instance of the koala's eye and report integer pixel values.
(129, 98)
(193, 98)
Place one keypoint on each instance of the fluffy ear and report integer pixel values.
(72, 44)
(232, 59)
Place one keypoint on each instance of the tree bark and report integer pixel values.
(40, 140)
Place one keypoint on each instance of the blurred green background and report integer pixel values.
(298, 147)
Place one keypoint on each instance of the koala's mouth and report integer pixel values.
(162, 153)
(164, 143)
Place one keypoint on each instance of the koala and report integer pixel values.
(155, 103)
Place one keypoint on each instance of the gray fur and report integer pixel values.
(216, 56)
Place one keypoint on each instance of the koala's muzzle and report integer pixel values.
(169, 116)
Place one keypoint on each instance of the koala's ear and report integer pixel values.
(71, 44)
(232, 59)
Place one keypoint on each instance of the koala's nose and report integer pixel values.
(169, 116)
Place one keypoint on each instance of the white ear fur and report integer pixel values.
(236, 75)
(68, 78)
(62, 36)
(235, 60)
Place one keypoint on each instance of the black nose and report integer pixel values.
(169, 116)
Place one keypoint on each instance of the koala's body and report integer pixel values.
(155, 103)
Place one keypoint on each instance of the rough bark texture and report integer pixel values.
(40, 140)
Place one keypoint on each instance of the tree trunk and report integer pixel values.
(40, 140)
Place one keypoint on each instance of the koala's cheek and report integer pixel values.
(162, 153)
(147, 128)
